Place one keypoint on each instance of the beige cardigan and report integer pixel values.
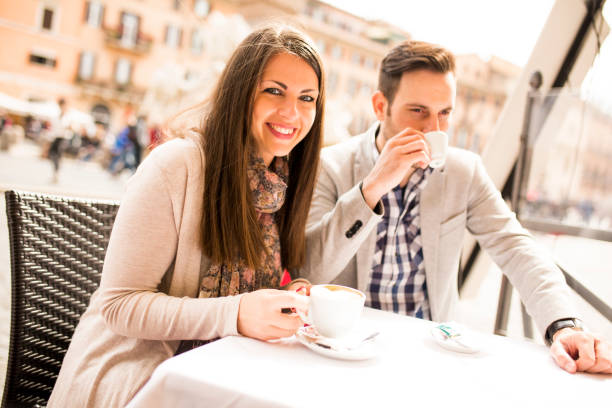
(146, 301)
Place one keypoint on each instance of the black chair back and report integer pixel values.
(57, 251)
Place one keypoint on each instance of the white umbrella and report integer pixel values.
(13, 105)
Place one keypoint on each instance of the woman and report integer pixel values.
(206, 227)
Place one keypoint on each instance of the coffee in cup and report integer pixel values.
(438, 146)
(334, 310)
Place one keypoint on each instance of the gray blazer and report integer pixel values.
(341, 231)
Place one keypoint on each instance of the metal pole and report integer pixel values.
(505, 291)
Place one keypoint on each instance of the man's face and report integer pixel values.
(424, 101)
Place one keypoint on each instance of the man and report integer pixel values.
(384, 222)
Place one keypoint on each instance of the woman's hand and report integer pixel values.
(300, 287)
(260, 316)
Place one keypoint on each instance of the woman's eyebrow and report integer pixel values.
(282, 85)
(277, 83)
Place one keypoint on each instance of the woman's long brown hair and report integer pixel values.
(230, 228)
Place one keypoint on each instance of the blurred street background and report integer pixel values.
(87, 89)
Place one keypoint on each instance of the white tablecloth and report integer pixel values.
(411, 370)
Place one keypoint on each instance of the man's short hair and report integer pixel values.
(412, 56)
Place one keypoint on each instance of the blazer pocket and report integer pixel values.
(456, 221)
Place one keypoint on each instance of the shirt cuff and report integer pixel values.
(378, 208)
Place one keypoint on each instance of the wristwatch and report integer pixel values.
(561, 324)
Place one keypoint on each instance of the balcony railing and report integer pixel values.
(115, 38)
(110, 90)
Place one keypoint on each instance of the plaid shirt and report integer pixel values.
(397, 281)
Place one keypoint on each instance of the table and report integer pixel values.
(411, 370)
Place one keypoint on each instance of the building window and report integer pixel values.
(368, 62)
(47, 18)
(129, 29)
(318, 14)
(197, 42)
(468, 98)
(123, 71)
(366, 90)
(352, 87)
(95, 11)
(332, 81)
(44, 59)
(356, 58)
(173, 36)
(86, 65)
(176, 4)
(321, 46)
(462, 138)
(336, 52)
(476, 143)
(201, 8)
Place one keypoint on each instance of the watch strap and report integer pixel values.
(561, 324)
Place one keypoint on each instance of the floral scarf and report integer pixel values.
(268, 187)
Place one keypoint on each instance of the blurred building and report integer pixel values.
(482, 89)
(104, 56)
(570, 168)
(351, 48)
(99, 55)
(118, 58)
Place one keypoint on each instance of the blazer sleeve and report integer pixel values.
(530, 269)
(141, 251)
(338, 222)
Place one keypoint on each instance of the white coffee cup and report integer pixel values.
(438, 146)
(334, 310)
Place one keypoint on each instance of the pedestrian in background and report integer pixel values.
(59, 138)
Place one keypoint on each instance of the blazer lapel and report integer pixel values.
(431, 213)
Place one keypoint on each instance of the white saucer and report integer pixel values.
(452, 336)
(322, 345)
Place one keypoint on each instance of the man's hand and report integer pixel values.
(575, 350)
(400, 154)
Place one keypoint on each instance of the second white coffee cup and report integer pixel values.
(438, 146)
(334, 310)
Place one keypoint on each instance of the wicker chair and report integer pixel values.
(57, 250)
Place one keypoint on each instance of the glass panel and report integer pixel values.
(570, 178)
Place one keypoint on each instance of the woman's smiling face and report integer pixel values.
(285, 105)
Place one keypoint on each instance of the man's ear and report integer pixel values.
(379, 104)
